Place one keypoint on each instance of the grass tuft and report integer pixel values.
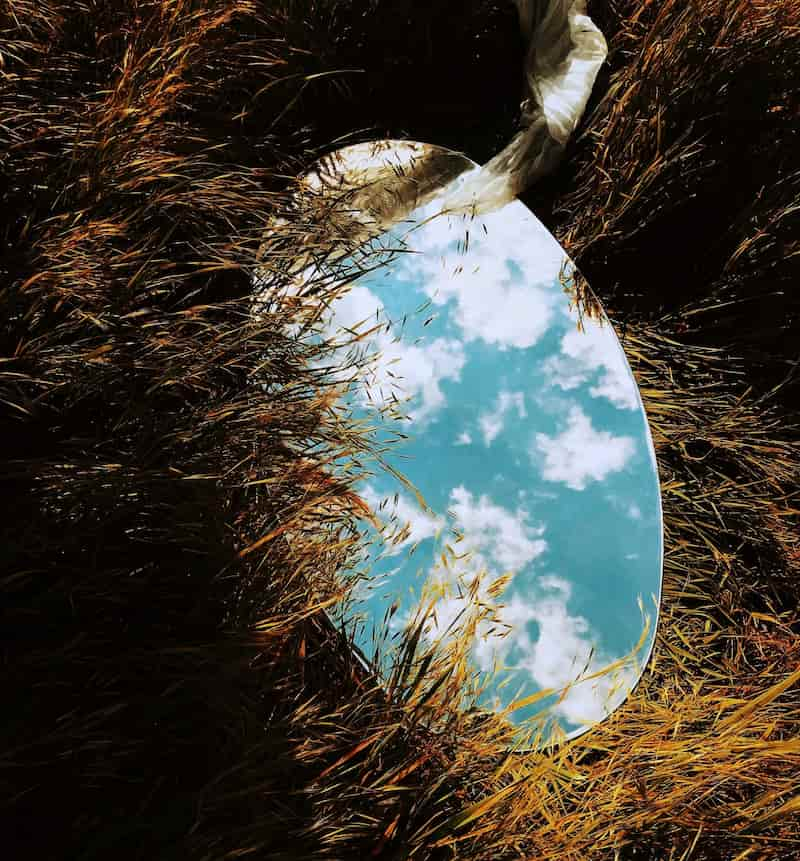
(173, 687)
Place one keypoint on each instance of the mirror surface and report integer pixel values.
(530, 450)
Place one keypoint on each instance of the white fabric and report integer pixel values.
(565, 52)
(362, 190)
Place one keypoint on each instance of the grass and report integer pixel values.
(172, 686)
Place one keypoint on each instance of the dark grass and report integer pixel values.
(166, 696)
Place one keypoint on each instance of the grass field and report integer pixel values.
(171, 687)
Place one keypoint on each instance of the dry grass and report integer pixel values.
(172, 687)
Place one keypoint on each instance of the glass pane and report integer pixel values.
(528, 456)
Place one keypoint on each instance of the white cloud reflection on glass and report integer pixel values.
(527, 435)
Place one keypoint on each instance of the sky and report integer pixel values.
(527, 437)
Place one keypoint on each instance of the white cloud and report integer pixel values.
(398, 369)
(627, 506)
(492, 423)
(495, 541)
(502, 287)
(464, 438)
(502, 538)
(582, 454)
(584, 354)
(563, 652)
(411, 370)
(404, 522)
(492, 306)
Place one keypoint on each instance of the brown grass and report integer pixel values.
(172, 687)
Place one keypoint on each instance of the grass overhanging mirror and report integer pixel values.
(172, 688)
(514, 518)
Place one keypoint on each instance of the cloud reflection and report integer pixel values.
(525, 434)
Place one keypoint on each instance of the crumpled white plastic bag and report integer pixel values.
(360, 191)
(565, 52)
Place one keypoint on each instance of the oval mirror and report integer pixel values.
(529, 477)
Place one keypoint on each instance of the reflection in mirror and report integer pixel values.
(529, 499)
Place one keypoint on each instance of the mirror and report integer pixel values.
(525, 446)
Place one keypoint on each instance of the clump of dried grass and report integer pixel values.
(174, 686)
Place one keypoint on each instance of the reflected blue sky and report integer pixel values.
(528, 436)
